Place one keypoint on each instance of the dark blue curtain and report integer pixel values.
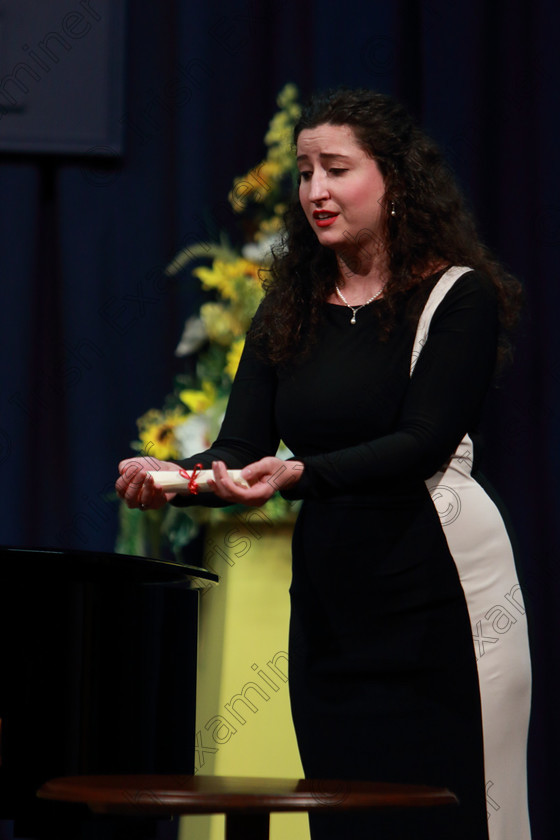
(89, 321)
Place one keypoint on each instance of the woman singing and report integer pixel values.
(381, 329)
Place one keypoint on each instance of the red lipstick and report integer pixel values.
(324, 218)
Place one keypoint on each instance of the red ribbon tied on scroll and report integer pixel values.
(193, 484)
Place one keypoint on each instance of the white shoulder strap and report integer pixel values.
(445, 282)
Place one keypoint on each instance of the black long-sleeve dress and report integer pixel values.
(408, 645)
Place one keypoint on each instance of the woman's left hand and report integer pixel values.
(264, 477)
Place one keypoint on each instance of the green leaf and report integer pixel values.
(210, 250)
(178, 528)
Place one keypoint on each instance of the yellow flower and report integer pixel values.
(279, 133)
(255, 185)
(157, 433)
(228, 278)
(287, 98)
(221, 324)
(233, 357)
(282, 123)
(261, 182)
(268, 227)
(216, 277)
(199, 401)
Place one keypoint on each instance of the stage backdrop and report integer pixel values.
(90, 323)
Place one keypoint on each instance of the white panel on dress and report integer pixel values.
(481, 549)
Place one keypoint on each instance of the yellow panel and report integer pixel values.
(244, 725)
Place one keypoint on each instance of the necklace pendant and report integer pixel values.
(361, 306)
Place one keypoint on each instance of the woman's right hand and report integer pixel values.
(138, 489)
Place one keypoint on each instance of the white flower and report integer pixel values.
(193, 435)
(261, 252)
(194, 336)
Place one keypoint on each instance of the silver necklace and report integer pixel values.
(361, 306)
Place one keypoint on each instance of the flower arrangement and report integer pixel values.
(214, 340)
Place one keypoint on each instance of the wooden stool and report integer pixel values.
(246, 802)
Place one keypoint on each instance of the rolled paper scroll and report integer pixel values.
(189, 482)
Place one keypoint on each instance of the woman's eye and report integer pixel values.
(305, 176)
(337, 171)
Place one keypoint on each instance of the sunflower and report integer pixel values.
(157, 433)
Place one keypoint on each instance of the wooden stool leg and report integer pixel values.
(247, 826)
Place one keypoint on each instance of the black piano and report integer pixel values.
(97, 671)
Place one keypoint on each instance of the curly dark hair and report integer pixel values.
(431, 228)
